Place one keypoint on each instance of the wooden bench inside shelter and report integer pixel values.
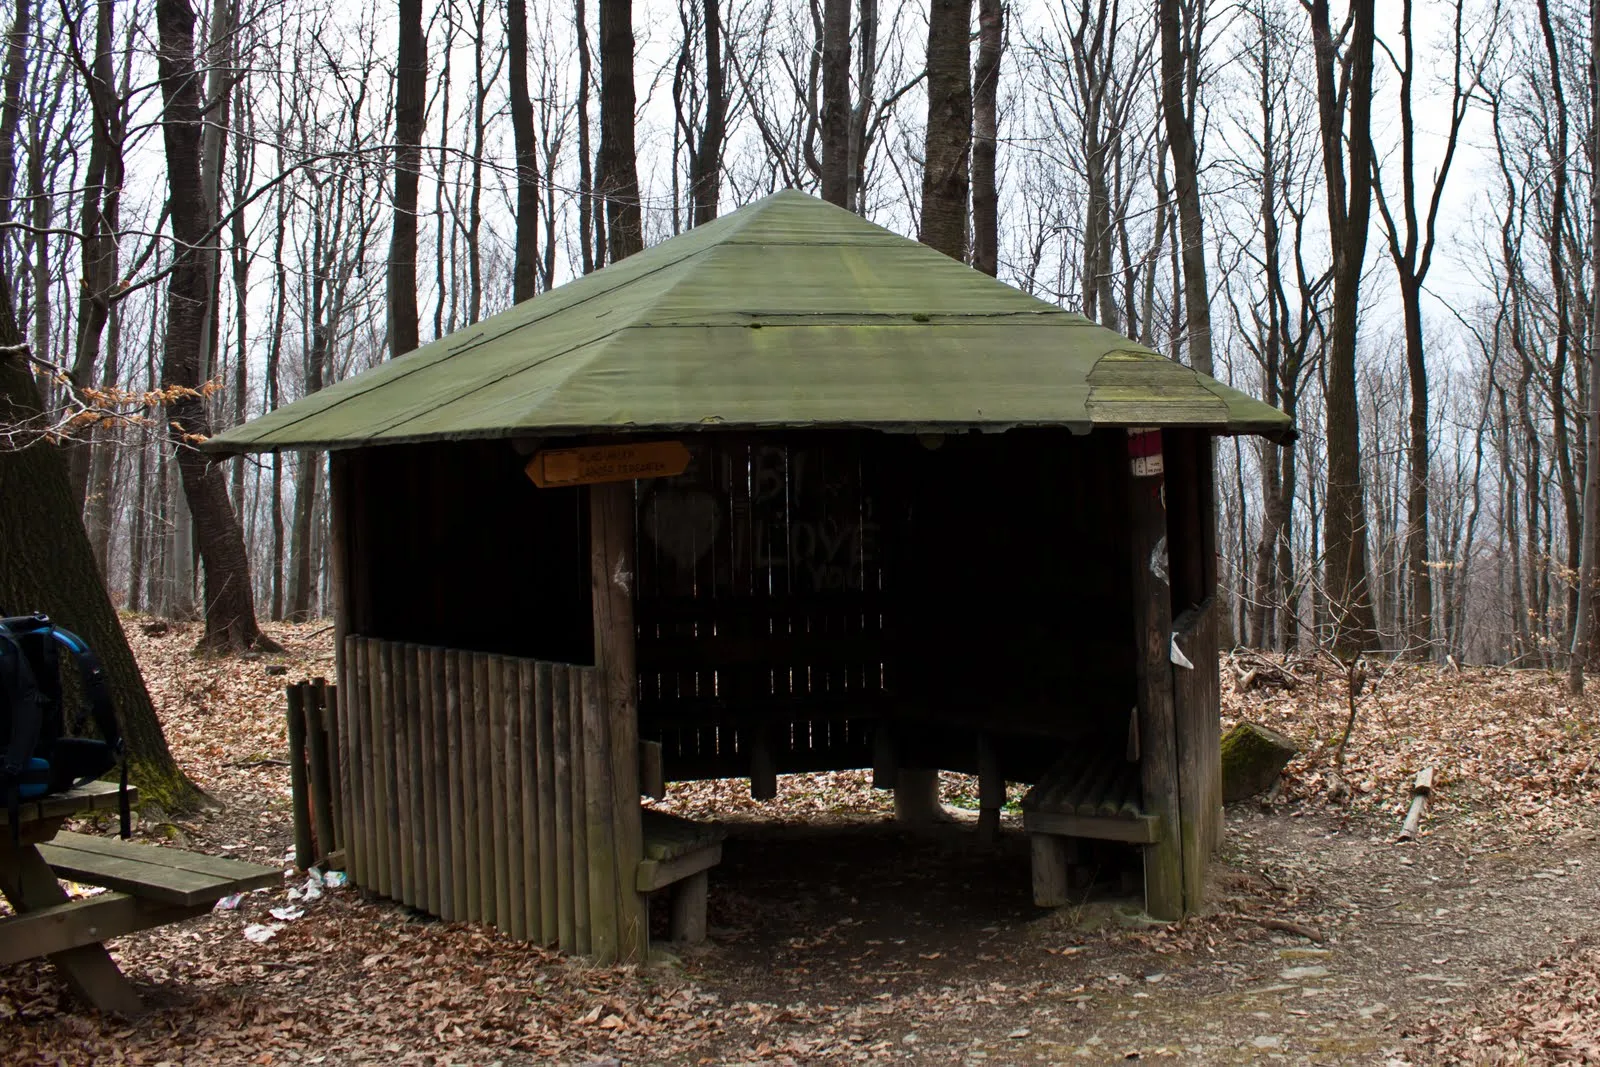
(679, 853)
(1087, 794)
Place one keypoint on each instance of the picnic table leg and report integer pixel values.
(29, 884)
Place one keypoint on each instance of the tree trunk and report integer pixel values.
(101, 196)
(1181, 24)
(705, 180)
(1349, 199)
(619, 169)
(985, 134)
(525, 275)
(1583, 643)
(587, 209)
(861, 132)
(411, 76)
(46, 563)
(835, 117)
(230, 619)
(945, 186)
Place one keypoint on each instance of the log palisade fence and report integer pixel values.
(481, 788)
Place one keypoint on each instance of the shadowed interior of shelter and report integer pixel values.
(809, 597)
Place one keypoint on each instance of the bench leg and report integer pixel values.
(688, 900)
(30, 884)
(1049, 870)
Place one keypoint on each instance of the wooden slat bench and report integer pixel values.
(1086, 795)
(678, 853)
(150, 886)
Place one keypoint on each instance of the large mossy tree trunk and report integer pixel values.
(46, 561)
(47, 565)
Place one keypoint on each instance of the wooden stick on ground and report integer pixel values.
(1421, 789)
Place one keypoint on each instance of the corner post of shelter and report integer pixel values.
(613, 577)
(1157, 726)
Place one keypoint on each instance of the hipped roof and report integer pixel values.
(789, 312)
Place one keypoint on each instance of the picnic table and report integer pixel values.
(148, 886)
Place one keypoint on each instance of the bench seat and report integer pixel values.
(149, 872)
(1087, 794)
(677, 853)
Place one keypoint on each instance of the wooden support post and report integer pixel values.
(428, 780)
(298, 792)
(688, 901)
(439, 733)
(405, 714)
(545, 757)
(483, 786)
(508, 745)
(1152, 614)
(321, 727)
(527, 764)
(652, 775)
(566, 825)
(349, 764)
(916, 796)
(340, 485)
(389, 872)
(1049, 870)
(613, 575)
(494, 813)
(455, 901)
(991, 790)
(582, 931)
(884, 763)
(763, 767)
(359, 718)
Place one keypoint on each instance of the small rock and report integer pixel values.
(1292, 973)
(1266, 1041)
(1019, 1033)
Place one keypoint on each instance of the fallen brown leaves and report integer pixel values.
(1509, 748)
(356, 980)
(1551, 1016)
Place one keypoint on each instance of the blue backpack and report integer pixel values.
(39, 754)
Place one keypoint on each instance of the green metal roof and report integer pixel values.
(789, 312)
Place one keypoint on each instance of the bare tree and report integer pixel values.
(411, 76)
(1183, 26)
(229, 599)
(618, 178)
(945, 174)
(985, 137)
(1344, 98)
(1411, 249)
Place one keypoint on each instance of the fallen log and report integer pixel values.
(1421, 790)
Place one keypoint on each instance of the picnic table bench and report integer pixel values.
(678, 853)
(149, 886)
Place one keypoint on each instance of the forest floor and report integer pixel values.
(836, 937)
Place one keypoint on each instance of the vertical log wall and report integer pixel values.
(471, 785)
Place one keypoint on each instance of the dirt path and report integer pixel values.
(868, 945)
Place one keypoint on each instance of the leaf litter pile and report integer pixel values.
(936, 957)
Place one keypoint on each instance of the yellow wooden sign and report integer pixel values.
(607, 463)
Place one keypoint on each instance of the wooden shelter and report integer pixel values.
(788, 492)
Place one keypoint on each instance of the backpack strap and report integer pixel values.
(97, 697)
(21, 691)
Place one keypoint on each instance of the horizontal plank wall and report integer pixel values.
(479, 787)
